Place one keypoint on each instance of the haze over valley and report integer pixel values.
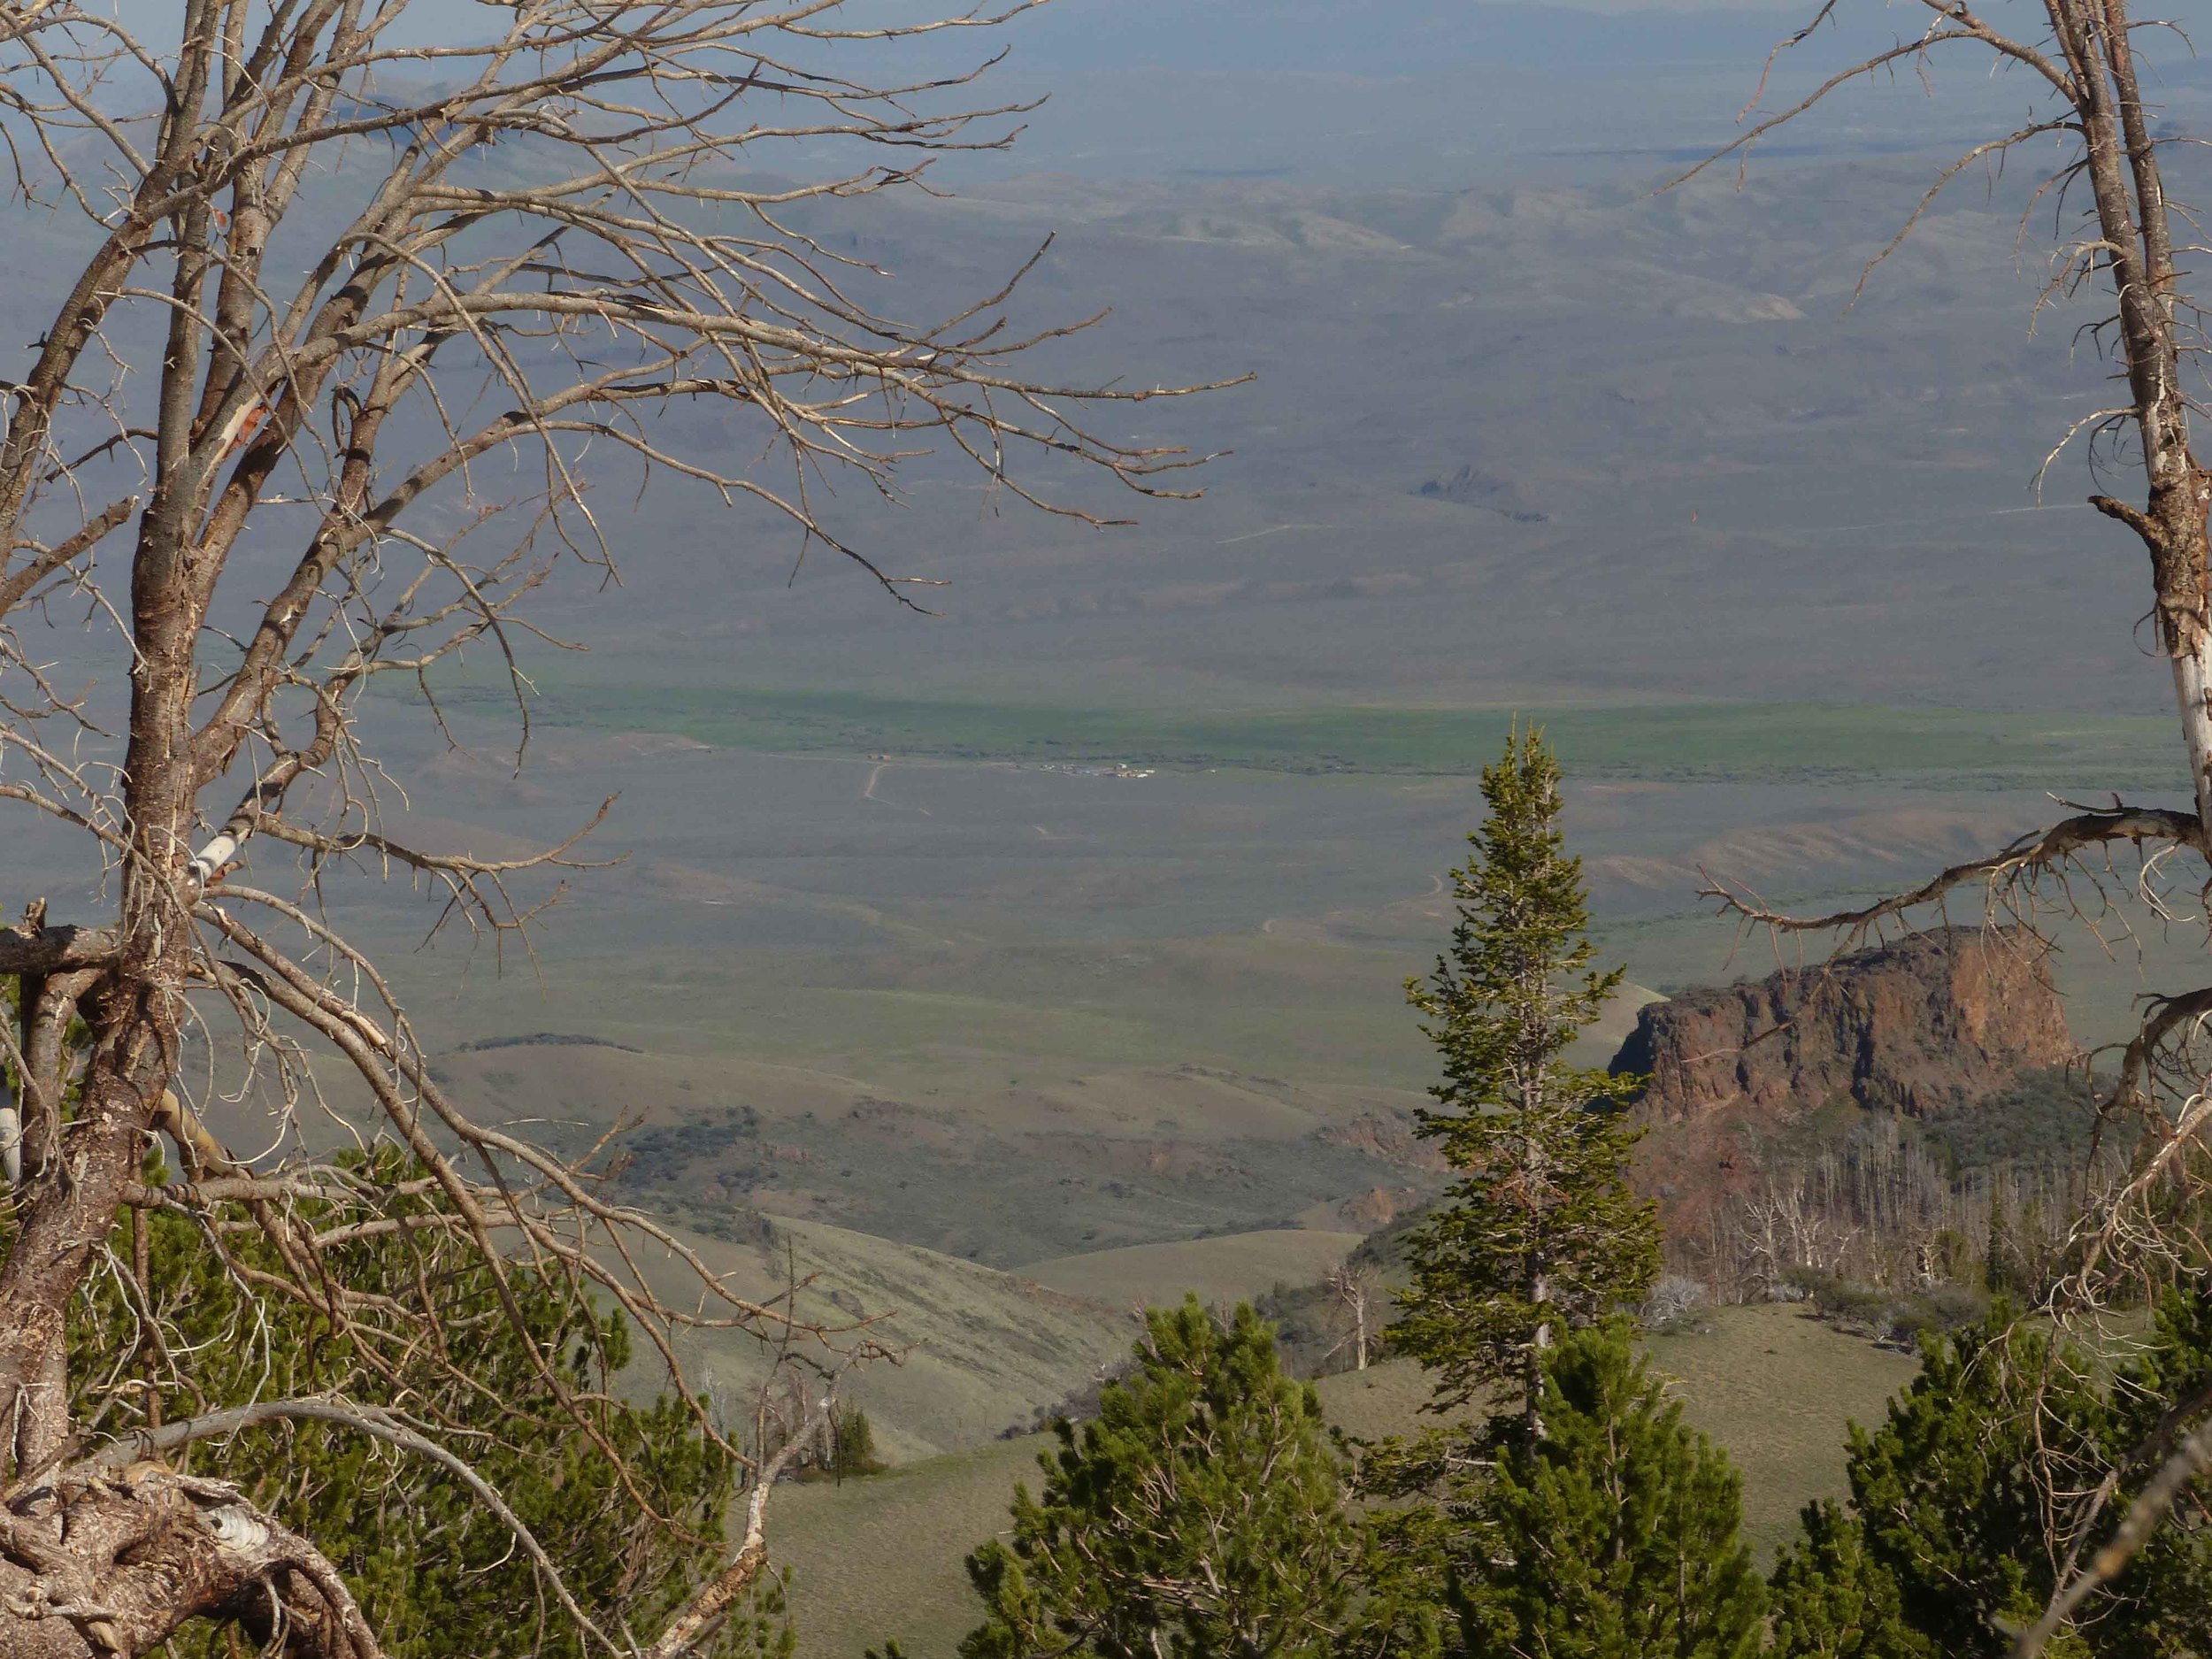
(1072, 915)
(892, 948)
(1331, 829)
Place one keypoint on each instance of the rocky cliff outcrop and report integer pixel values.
(1932, 1021)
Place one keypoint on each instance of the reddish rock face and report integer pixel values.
(1935, 1020)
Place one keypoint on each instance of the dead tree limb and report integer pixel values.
(2086, 89)
(348, 328)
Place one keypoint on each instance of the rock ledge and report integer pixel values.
(1932, 1021)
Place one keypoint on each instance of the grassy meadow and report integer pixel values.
(881, 1557)
(1804, 742)
(1235, 1267)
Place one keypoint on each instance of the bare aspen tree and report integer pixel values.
(2082, 61)
(349, 318)
(1358, 1288)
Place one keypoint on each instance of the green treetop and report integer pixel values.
(1540, 1233)
(1834, 1601)
(1616, 1536)
(1947, 1547)
(1200, 1515)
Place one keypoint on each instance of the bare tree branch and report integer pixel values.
(2088, 96)
(387, 313)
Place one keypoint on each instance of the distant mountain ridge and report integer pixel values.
(1402, 37)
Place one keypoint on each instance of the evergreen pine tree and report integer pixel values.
(1945, 1548)
(1201, 1514)
(852, 1443)
(436, 1572)
(2003, 1270)
(1539, 1234)
(1834, 1601)
(1616, 1536)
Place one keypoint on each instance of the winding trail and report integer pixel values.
(869, 792)
(1274, 529)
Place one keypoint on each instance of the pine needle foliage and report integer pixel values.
(1966, 1499)
(1540, 1233)
(1202, 1515)
(1834, 1601)
(437, 1573)
(1618, 1535)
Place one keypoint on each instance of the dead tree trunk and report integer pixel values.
(513, 252)
(2090, 92)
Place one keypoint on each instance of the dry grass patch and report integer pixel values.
(1221, 1270)
(1776, 1388)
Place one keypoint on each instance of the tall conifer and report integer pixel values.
(1540, 1233)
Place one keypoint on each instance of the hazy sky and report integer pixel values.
(1255, 30)
(1425, 93)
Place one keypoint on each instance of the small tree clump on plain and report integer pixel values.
(1540, 1234)
(1200, 1514)
(1617, 1535)
(852, 1443)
